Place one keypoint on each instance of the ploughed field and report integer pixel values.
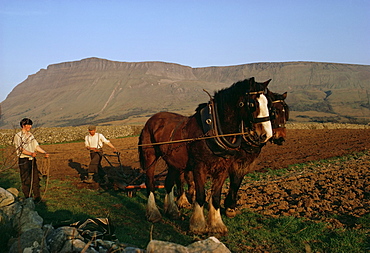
(336, 191)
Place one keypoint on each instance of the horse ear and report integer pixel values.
(251, 80)
(285, 95)
(266, 83)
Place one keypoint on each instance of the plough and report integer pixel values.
(132, 186)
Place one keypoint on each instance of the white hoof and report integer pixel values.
(152, 212)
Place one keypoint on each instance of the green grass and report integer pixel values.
(248, 232)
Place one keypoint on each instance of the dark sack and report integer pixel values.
(95, 228)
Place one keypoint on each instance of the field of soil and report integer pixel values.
(341, 189)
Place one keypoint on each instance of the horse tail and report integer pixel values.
(146, 151)
(141, 151)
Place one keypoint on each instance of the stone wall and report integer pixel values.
(70, 134)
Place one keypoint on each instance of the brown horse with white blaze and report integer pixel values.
(244, 162)
(204, 144)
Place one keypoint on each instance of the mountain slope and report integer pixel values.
(101, 91)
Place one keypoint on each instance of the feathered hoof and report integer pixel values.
(183, 202)
(174, 215)
(153, 216)
(198, 230)
(219, 230)
(231, 212)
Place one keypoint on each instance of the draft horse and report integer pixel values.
(213, 136)
(279, 115)
(244, 162)
(245, 159)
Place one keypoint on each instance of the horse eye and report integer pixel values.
(241, 104)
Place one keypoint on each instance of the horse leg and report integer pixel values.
(170, 207)
(236, 174)
(231, 198)
(215, 223)
(198, 223)
(191, 185)
(182, 200)
(148, 160)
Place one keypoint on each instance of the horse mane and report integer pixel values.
(227, 101)
(234, 91)
(200, 107)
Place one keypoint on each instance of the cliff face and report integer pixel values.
(101, 91)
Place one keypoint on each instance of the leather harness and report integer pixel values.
(220, 145)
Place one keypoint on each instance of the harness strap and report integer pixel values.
(219, 133)
(215, 142)
(260, 120)
(255, 92)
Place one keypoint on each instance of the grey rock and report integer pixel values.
(210, 245)
(75, 245)
(32, 240)
(48, 230)
(133, 250)
(59, 236)
(9, 211)
(6, 198)
(26, 220)
(155, 246)
(13, 191)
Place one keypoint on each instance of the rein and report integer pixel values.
(44, 169)
(189, 140)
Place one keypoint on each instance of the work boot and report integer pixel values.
(89, 179)
(105, 180)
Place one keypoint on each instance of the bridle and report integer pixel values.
(273, 114)
(262, 119)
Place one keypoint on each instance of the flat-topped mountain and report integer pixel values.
(100, 91)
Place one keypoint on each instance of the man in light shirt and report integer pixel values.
(94, 143)
(26, 147)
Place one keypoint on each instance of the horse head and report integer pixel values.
(257, 127)
(279, 114)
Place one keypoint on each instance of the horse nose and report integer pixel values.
(267, 130)
(264, 130)
(279, 141)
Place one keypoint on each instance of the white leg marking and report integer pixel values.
(170, 206)
(182, 201)
(152, 212)
(215, 223)
(197, 220)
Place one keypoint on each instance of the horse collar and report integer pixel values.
(211, 126)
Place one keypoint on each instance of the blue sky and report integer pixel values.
(196, 33)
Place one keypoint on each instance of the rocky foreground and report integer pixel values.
(88, 236)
